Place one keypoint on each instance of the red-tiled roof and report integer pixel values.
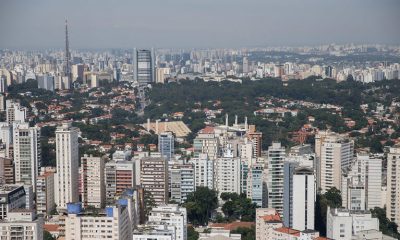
(233, 225)
(271, 217)
(288, 231)
(51, 227)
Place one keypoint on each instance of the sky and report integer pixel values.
(93, 24)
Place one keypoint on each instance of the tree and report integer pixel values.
(238, 207)
(247, 233)
(192, 234)
(385, 225)
(47, 236)
(200, 204)
(331, 198)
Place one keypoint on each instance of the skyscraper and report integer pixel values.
(299, 196)
(27, 153)
(144, 66)
(67, 158)
(276, 158)
(393, 185)
(92, 181)
(154, 178)
(67, 56)
(166, 144)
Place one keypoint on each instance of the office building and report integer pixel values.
(181, 181)
(342, 224)
(166, 145)
(154, 178)
(144, 66)
(11, 197)
(393, 185)
(45, 193)
(204, 171)
(67, 159)
(171, 215)
(334, 152)
(27, 153)
(22, 224)
(92, 181)
(276, 157)
(7, 171)
(112, 223)
(299, 196)
(119, 175)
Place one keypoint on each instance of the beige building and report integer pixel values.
(92, 181)
(21, 224)
(393, 185)
(154, 177)
(334, 152)
(67, 158)
(267, 220)
(45, 193)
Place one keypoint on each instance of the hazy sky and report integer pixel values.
(197, 23)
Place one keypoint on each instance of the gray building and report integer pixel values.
(144, 66)
(166, 144)
(46, 81)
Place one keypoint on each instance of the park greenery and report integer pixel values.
(200, 204)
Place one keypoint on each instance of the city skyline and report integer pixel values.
(205, 24)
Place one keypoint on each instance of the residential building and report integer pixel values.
(299, 196)
(27, 153)
(267, 220)
(67, 159)
(119, 175)
(171, 215)
(22, 224)
(276, 157)
(256, 189)
(204, 171)
(206, 143)
(181, 181)
(154, 178)
(11, 197)
(342, 224)
(112, 223)
(45, 193)
(46, 81)
(334, 152)
(92, 181)
(393, 185)
(15, 112)
(227, 173)
(154, 231)
(219, 234)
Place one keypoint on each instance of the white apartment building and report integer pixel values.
(27, 153)
(276, 157)
(45, 193)
(204, 171)
(92, 181)
(154, 231)
(114, 223)
(67, 159)
(15, 112)
(227, 173)
(171, 215)
(22, 224)
(342, 224)
(334, 152)
(393, 185)
(206, 143)
(299, 197)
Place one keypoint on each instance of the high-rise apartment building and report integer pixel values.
(171, 215)
(22, 224)
(393, 185)
(119, 175)
(227, 173)
(92, 181)
(256, 189)
(46, 81)
(299, 196)
(181, 181)
(166, 145)
(27, 153)
(154, 178)
(204, 171)
(276, 157)
(144, 66)
(12, 197)
(334, 152)
(45, 193)
(67, 159)
(15, 112)
(206, 143)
